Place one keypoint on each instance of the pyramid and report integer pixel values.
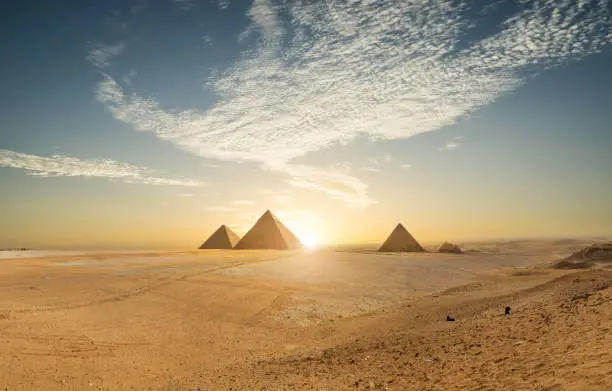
(400, 240)
(447, 247)
(223, 238)
(269, 233)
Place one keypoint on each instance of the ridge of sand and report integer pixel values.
(597, 254)
(556, 339)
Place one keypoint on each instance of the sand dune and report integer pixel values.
(556, 339)
(598, 254)
(217, 319)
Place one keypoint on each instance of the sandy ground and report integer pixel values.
(214, 320)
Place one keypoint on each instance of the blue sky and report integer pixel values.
(343, 116)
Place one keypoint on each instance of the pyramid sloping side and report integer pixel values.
(291, 240)
(222, 238)
(232, 236)
(447, 247)
(269, 233)
(400, 240)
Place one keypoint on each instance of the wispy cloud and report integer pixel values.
(406, 166)
(222, 4)
(127, 79)
(208, 39)
(209, 165)
(452, 144)
(185, 4)
(101, 54)
(338, 70)
(276, 197)
(64, 166)
(221, 208)
(245, 202)
(374, 164)
(335, 183)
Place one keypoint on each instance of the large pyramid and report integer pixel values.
(223, 238)
(401, 240)
(269, 233)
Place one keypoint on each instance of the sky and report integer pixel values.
(147, 124)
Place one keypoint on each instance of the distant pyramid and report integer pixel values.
(400, 240)
(447, 247)
(269, 233)
(223, 238)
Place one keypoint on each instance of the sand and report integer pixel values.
(213, 320)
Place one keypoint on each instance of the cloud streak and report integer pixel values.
(452, 144)
(223, 4)
(64, 166)
(325, 73)
(374, 164)
(244, 202)
(185, 5)
(101, 55)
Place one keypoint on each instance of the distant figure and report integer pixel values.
(508, 311)
(449, 318)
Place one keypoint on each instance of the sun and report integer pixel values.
(309, 241)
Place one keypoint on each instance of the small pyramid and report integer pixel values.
(400, 240)
(269, 233)
(447, 247)
(223, 238)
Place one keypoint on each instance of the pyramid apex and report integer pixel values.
(400, 240)
(222, 238)
(269, 233)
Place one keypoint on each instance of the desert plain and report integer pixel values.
(306, 320)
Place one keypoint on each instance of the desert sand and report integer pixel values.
(323, 320)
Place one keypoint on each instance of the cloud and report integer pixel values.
(374, 164)
(245, 202)
(406, 166)
(127, 79)
(208, 39)
(276, 197)
(101, 55)
(64, 166)
(185, 5)
(452, 144)
(221, 209)
(223, 4)
(333, 182)
(325, 73)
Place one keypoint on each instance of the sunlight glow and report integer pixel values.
(309, 241)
